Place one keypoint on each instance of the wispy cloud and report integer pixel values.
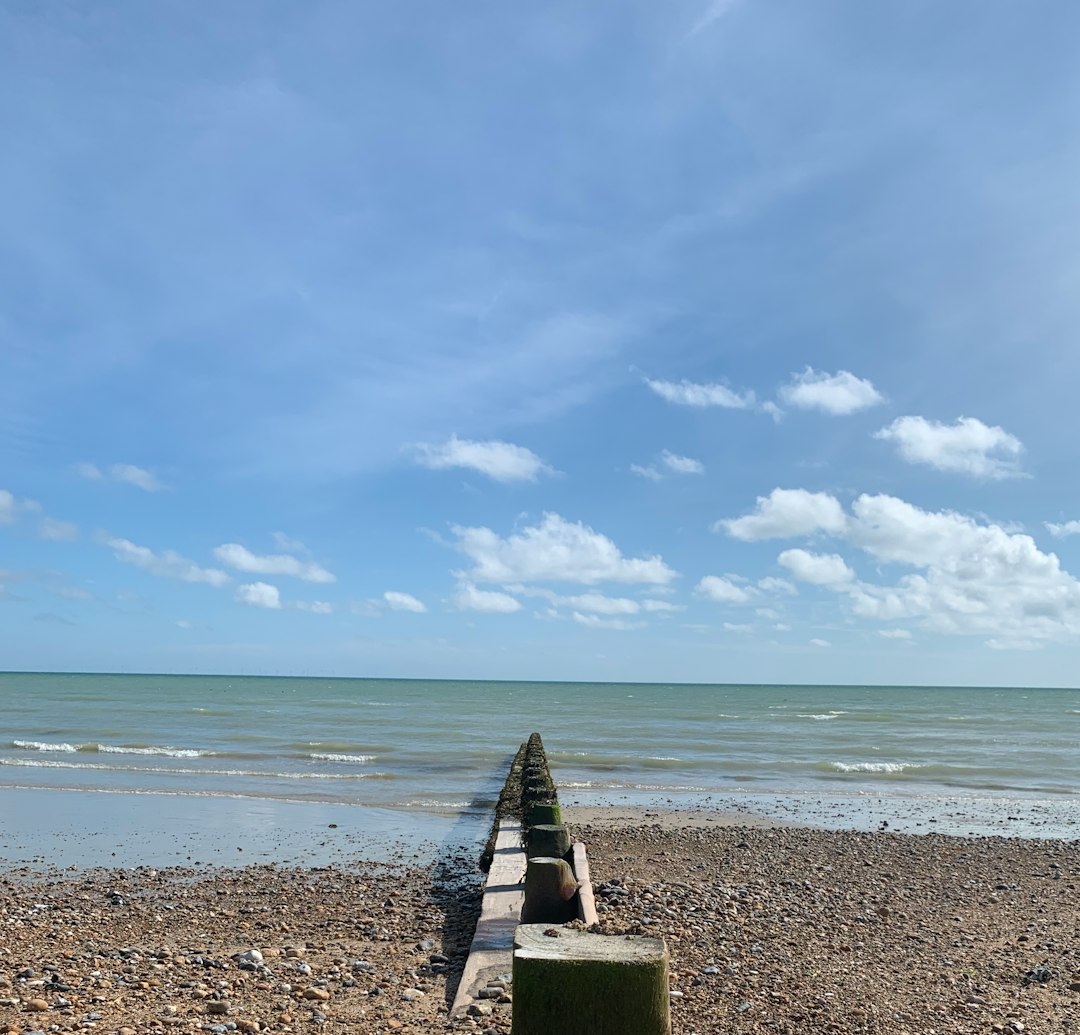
(398, 601)
(689, 393)
(168, 564)
(240, 558)
(502, 461)
(140, 477)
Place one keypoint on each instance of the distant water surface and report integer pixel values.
(416, 746)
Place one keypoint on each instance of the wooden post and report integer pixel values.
(549, 840)
(569, 982)
(550, 887)
(541, 812)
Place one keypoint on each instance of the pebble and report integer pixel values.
(316, 993)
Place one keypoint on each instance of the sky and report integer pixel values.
(703, 341)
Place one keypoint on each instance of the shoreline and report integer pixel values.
(770, 928)
(62, 827)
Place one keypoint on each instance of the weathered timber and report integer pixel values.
(543, 812)
(550, 890)
(548, 840)
(570, 982)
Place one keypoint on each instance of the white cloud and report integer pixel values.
(502, 461)
(137, 476)
(242, 559)
(681, 464)
(839, 394)
(259, 594)
(687, 393)
(785, 513)
(895, 634)
(288, 544)
(967, 447)
(9, 509)
(769, 584)
(315, 607)
(972, 579)
(1060, 531)
(649, 472)
(58, 531)
(818, 642)
(469, 598)
(168, 564)
(820, 569)
(555, 550)
(660, 606)
(721, 590)
(673, 462)
(403, 602)
(737, 627)
(596, 622)
(127, 473)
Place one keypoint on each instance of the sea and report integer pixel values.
(104, 769)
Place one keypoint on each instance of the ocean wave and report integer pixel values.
(873, 767)
(335, 757)
(38, 745)
(819, 716)
(46, 763)
(168, 752)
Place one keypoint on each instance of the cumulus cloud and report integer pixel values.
(1060, 531)
(966, 447)
(469, 598)
(895, 634)
(786, 513)
(315, 607)
(403, 602)
(168, 564)
(838, 394)
(818, 642)
(239, 558)
(970, 578)
(722, 590)
(687, 393)
(556, 550)
(819, 569)
(502, 461)
(259, 594)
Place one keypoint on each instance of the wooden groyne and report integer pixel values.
(569, 980)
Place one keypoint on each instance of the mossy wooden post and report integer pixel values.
(541, 812)
(579, 983)
(549, 840)
(550, 887)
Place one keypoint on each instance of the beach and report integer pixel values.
(220, 854)
(770, 928)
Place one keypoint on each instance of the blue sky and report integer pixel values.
(721, 341)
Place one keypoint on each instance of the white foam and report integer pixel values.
(332, 757)
(168, 752)
(38, 745)
(873, 767)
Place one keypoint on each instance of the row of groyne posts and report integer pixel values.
(537, 933)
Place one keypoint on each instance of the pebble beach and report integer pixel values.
(771, 929)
